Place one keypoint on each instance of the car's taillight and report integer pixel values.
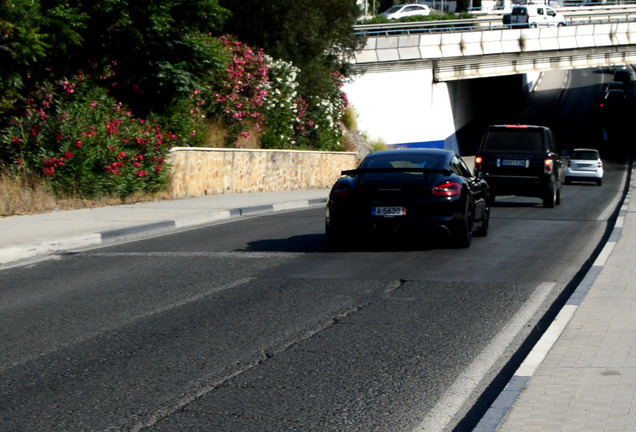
(341, 189)
(548, 164)
(600, 164)
(478, 161)
(569, 164)
(447, 189)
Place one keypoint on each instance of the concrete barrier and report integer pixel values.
(212, 171)
(502, 41)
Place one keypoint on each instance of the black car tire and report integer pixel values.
(335, 239)
(599, 182)
(550, 197)
(485, 224)
(464, 236)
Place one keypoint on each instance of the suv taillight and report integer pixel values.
(478, 161)
(548, 165)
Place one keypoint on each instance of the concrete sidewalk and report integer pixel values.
(26, 237)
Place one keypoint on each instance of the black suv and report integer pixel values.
(521, 160)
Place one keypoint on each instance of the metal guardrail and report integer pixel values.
(573, 16)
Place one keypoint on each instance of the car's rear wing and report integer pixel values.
(353, 172)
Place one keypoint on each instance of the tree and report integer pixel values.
(28, 33)
(155, 48)
(316, 36)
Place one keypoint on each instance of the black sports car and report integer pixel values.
(407, 190)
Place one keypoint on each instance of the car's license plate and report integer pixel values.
(513, 162)
(387, 211)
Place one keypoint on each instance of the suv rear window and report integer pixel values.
(514, 140)
(519, 11)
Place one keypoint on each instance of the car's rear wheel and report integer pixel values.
(464, 236)
(550, 197)
(599, 182)
(335, 239)
(485, 224)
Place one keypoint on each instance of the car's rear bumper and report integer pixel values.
(522, 186)
(581, 174)
(357, 220)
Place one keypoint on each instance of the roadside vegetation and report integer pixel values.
(94, 94)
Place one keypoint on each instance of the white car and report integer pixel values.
(585, 164)
(402, 11)
(532, 15)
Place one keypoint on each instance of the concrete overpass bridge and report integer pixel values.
(421, 86)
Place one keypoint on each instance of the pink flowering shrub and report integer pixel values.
(233, 95)
(83, 142)
(257, 94)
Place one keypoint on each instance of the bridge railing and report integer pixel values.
(472, 54)
(623, 14)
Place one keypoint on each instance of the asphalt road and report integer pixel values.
(253, 326)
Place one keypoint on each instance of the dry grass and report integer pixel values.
(21, 197)
(216, 134)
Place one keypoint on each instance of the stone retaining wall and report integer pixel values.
(208, 171)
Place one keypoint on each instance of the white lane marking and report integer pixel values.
(448, 406)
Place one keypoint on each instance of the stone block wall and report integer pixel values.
(209, 171)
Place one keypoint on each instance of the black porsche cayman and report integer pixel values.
(414, 191)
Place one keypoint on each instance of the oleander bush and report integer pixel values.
(94, 94)
(81, 141)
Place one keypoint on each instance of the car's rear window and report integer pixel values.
(431, 161)
(584, 155)
(514, 140)
(519, 11)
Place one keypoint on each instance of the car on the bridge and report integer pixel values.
(624, 76)
(533, 15)
(585, 164)
(409, 10)
(521, 160)
(413, 191)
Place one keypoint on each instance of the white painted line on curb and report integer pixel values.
(541, 349)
